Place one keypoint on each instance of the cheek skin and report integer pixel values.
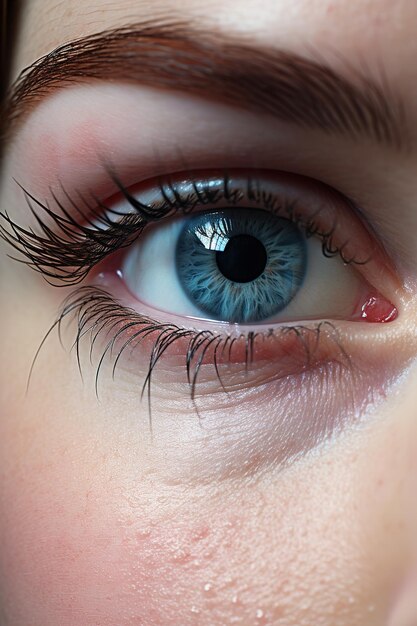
(93, 531)
(86, 534)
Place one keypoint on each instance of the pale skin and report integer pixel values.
(101, 521)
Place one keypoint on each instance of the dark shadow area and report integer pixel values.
(10, 11)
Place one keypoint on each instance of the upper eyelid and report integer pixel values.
(300, 90)
(73, 227)
(376, 253)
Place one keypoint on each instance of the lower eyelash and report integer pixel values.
(100, 317)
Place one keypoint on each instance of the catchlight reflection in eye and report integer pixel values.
(240, 266)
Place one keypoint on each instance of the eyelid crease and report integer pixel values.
(76, 239)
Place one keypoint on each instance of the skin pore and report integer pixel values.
(106, 521)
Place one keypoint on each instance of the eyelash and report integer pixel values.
(77, 239)
(66, 256)
(98, 314)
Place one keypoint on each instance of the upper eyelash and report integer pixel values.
(68, 255)
(67, 250)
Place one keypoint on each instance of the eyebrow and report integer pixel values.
(178, 56)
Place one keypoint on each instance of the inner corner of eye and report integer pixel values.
(377, 309)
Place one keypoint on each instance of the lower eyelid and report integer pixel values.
(299, 387)
(144, 339)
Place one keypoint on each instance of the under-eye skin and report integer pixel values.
(261, 353)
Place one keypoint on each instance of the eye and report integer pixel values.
(284, 253)
(194, 262)
(257, 283)
(239, 266)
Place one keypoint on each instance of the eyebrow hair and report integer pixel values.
(178, 56)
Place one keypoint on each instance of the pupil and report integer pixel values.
(243, 259)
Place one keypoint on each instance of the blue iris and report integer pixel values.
(240, 265)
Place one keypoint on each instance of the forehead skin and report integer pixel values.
(91, 533)
(367, 31)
